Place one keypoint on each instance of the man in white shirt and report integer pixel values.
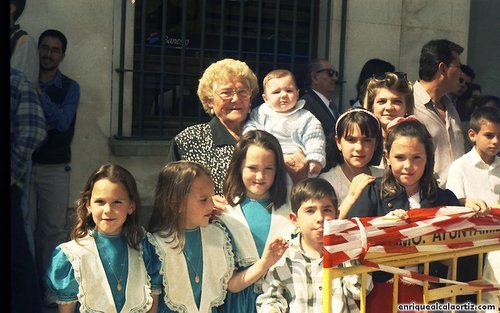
(439, 74)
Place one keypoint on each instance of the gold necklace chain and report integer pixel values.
(118, 280)
(197, 276)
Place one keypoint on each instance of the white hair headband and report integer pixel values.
(352, 111)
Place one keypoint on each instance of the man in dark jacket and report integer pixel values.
(321, 80)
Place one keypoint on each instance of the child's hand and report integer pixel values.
(397, 214)
(219, 203)
(272, 253)
(477, 205)
(314, 168)
(358, 184)
(274, 250)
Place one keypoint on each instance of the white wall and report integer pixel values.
(92, 28)
(393, 30)
(484, 45)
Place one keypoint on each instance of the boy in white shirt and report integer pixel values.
(477, 175)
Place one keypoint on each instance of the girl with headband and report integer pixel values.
(357, 148)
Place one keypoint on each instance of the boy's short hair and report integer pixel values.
(311, 188)
(484, 113)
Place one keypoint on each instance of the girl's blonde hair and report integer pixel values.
(222, 72)
(279, 73)
(84, 222)
(170, 198)
(393, 81)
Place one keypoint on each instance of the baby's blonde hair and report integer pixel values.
(279, 73)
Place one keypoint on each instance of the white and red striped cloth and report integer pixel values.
(352, 239)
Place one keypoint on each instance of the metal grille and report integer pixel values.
(175, 40)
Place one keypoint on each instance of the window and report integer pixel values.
(175, 40)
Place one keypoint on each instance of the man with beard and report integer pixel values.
(50, 180)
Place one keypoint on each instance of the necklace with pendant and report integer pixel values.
(197, 269)
(118, 280)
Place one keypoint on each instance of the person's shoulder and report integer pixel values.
(24, 37)
(463, 161)
(420, 96)
(446, 197)
(308, 118)
(17, 76)
(302, 111)
(218, 226)
(377, 171)
(496, 162)
(309, 96)
(68, 80)
(194, 130)
(260, 110)
(333, 175)
(330, 174)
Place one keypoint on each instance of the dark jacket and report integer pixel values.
(370, 204)
(317, 107)
(57, 146)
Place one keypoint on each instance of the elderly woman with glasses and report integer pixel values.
(225, 89)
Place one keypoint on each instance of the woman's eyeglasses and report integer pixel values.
(227, 95)
(384, 75)
(329, 71)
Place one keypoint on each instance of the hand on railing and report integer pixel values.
(397, 214)
(477, 205)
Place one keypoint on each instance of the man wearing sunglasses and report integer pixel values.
(321, 80)
(461, 96)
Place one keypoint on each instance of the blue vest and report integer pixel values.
(56, 148)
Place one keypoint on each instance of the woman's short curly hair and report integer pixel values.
(222, 72)
(392, 82)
